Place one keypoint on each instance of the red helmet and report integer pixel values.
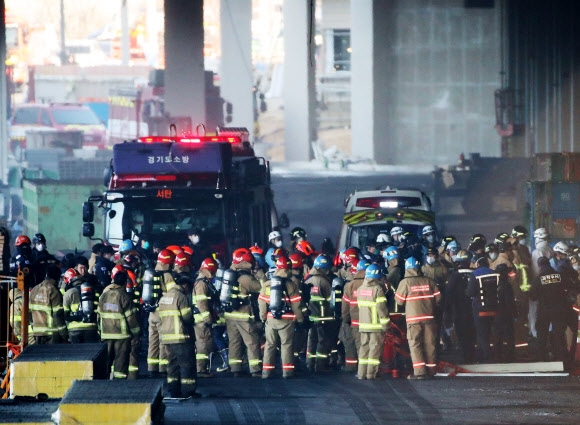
(166, 257)
(22, 240)
(118, 268)
(182, 259)
(306, 248)
(246, 256)
(283, 263)
(255, 249)
(350, 255)
(69, 275)
(297, 261)
(237, 255)
(210, 265)
(187, 249)
(175, 249)
(278, 252)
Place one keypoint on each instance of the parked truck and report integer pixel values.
(167, 185)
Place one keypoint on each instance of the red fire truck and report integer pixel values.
(166, 185)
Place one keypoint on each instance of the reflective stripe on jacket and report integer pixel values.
(372, 305)
(117, 316)
(176, 316)
(419, 295)
(46, 309)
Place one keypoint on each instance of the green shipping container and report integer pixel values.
(54, 208)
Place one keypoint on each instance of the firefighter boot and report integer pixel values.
(226, 364)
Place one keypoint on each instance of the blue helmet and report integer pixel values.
(391, 253)
(126, 245)
(362, 264)
(322, 262)
(411, 263)
(452, 246)
(374, 271)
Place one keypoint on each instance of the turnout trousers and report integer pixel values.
(181, 372)
(279, 332)
(371, 348)
(242, 333)
(134, 358)
(84, 337)
(346, 335)
(318, 347)
(203, 345)
(422, 337)
(156, 352)
(118, 351)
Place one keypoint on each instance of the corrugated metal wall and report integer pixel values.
(543, 59)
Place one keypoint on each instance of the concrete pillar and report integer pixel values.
(184, 70)
(299, 91)
(3, 99)
(370, 118)
(236, 71)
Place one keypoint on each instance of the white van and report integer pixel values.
(370, 213)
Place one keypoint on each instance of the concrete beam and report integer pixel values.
(299, 91)
(184, 65)
(3, 100)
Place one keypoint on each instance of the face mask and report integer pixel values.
(195, 239)
(430, 260)
(576, 266)
(146, 245)
(492, 256)
(430, 238)
(278, 244)
(40, 247)
(522, 241)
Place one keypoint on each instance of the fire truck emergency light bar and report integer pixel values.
(196, 139)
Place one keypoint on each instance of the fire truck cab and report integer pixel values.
(166, 185)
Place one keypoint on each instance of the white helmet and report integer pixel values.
(541, 233)
(561, 247)
(428, 229)
(383, 238)
(273, 235)
(397, 230)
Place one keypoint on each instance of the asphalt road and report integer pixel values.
(342, 399)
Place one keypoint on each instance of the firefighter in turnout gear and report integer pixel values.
(237, 286)
(373, 321)
(420, 296)
(158, 283)
(320, 315)
(280, 308)
(119, 324)
(204, 314)
(15, 296)
(300, 332)
(437, 271)
(177, 336)
(79, 309)
(350, 317)
(48, 325)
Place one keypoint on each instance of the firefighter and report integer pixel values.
(48, 325)
(396, 233)
(420, 296)
(301, 332)
(158, 283)
(350, 259)
(429, 234)
(119, 324)
(177, 336)
(41, 257)
(458, 313)
(238, 285)
(79, 309)
(205, 315)
(394, 274)
(551, 292)
(373, 322)
(275, 242)
(145, 251)
(23, 261)
(435, 269)
(309, 254)
(541, 239)
(477, 244)
(320, 315)
(350, 335)
(103, 266)
(280, 309)
(483, 288)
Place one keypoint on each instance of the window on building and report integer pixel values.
(341, 44)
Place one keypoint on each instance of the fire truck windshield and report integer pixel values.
(165, 221)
